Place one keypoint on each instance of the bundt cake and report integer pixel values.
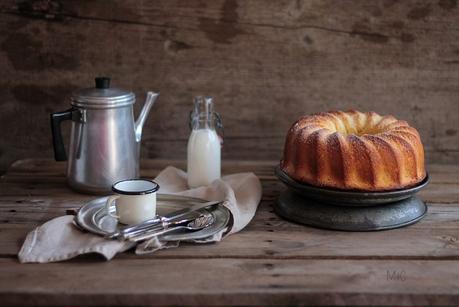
(354, 151)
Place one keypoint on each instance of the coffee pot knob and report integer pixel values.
(102, 82)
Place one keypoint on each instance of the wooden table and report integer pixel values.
(271, 262)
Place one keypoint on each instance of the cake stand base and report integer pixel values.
(308, 211)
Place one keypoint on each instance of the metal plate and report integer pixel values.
(93, 218)
(306, 211)
(348, 198)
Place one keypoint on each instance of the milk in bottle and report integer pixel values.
(204, 148)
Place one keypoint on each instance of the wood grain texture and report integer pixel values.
(266, 64)
(270, 262)
(269, 237)
(226, 282)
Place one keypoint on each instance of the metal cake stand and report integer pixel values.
(349, 210)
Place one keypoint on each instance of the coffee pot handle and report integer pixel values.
(58, 143)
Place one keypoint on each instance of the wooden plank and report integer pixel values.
(305, 243)
(29, 187)
(264, 68)
(443, 173)
(15, 209)
(439, 173)
(268, 236)
(48, 167)
(231, 282)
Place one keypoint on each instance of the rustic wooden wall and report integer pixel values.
(266, 62)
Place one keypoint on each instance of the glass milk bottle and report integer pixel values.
(204, 144)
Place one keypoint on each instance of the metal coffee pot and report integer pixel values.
(104, 140)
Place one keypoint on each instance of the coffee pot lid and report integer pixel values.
(102, 96)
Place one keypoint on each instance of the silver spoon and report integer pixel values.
(163, 221)
(138, 231)
(196, 224)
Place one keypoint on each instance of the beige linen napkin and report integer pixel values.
(59, 239)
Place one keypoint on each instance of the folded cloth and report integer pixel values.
(59, 239)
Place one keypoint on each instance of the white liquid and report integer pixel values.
(203, 157)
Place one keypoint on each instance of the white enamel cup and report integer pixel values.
(135, 200)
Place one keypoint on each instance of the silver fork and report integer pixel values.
(163, 221)
(124, 235)
(197, 224)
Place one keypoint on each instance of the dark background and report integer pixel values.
(266, 63)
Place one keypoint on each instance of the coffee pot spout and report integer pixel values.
(151, 98)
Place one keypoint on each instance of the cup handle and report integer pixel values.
(108, 204)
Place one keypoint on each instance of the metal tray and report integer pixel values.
(348, 198)
(93, 217)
